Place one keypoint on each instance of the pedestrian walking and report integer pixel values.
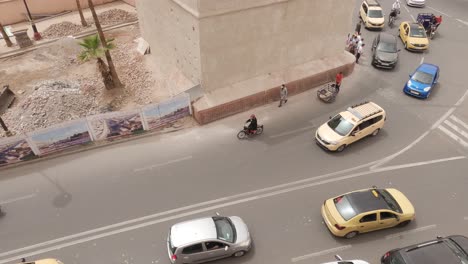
(358, 27)
(283, 95)
(338, 79)
(359, 52)
(360, 41)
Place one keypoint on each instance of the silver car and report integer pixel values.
(207, 239)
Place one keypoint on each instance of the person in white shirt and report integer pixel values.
(359, 52)
(396, 6)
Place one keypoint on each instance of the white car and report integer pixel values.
(418, 3)
(340, 261)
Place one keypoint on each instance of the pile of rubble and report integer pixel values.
(51, 102)
(113, 16)
(61, 29)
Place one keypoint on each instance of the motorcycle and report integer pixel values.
(244, 133)
(433, 30)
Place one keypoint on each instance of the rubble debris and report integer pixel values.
(113, 16)
(62, 29)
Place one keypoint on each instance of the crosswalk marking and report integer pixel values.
(454, 118)
(454, 127)
(453, 136)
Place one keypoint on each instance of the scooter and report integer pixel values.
(244, 133)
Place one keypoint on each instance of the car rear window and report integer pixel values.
(462, 242)
(435, 253)
(225, 229)
(344, 207)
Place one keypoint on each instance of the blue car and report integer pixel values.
(423, 79)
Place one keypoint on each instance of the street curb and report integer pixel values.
(93, 146)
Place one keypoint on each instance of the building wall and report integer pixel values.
(173, 34)
(130, 2)
(235, 40)
(13, 11)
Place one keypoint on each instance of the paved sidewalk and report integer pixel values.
(70, 17)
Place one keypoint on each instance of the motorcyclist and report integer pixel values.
(393, 13)
(437, 20)
(396, 6)
(252, 123)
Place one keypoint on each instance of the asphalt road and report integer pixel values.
(115, 204)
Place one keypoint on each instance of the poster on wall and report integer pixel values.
(116, 125)
(61, 137)
(13, 150)
(167, 112)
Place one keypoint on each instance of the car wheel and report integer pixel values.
(351, 234)
(239, 254)
(428, 94)
(404, 223)
(341, 148)
(376, 132)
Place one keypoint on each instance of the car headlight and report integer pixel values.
(427, 89)
(409, 83)
(333, 143)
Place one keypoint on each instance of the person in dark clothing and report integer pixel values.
(252, 123)
(358, 27)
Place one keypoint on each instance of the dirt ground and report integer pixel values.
(52, 86)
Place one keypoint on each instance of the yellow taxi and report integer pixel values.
(413, 36)
(366, 210)
(42, 261)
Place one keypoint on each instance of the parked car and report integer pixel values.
(446, 250)
(417, 3)
(42, 261)
(422, 80)
(349, 126)
(341, 261)
(371, 14)
(362, 211)
(385, 51)
(413, 36)
(206, 239)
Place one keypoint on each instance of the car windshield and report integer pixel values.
(459, 252)
(387, 47)
(375, 14)
(422, 77)
(344, 207)
(225, 229)
(391, 202)
(417, 32)
(340, 125)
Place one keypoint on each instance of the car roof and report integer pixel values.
(387, 37)
(372, 3)
(365, 201)
(435, 251)
(428, 68)
(362, 111)
(192, 231)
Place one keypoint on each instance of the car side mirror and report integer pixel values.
(410, 75)
(337, 257)
(353, 133)
(226, 248)
(217, 213)
(397, 218)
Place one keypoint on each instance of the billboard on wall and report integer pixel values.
(14, 150)
(61, 137)
(160, 115)
(116, 125)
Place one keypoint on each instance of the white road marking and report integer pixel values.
(454, 127)
(415, 164)
(169, 218)
(144, 218)
(292, 131)
(463, 22)
(412, 17)
(445, 14)
(162, 164)
(29, 196)
(422, 60)
(453, 136)
(454, 118)
(465, 218)
(407, 10)
(412, 231)
(320, 253)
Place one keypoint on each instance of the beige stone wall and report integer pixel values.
(130, 2)
(173, 34)
(235, 40)
(13, 11)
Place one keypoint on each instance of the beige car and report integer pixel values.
(371, 14)
(357, 122)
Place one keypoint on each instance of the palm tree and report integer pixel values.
(93, 50)
(5, 36)
(83, 21)
(113, 72)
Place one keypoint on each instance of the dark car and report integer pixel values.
(385, 51)
(448, 250)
